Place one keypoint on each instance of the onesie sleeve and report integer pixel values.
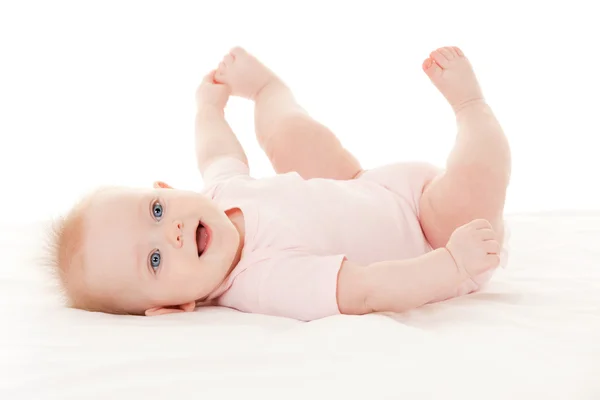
(222, 169)
(289, 284)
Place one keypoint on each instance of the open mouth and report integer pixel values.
(202, 238)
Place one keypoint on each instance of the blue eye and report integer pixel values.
(155, 260)
(157, 210)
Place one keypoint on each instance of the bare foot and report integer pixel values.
(244, 74)
(451, 72)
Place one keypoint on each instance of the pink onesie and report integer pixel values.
(299, 231)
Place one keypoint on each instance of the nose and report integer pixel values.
(174, 234)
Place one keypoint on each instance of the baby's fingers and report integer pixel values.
(486, 234)
(491, 246)
(210, 77)
(492, 260)
(481, 224)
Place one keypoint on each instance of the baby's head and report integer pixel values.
(143, 251)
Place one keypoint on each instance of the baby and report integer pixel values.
(320, 238)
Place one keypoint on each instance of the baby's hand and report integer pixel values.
(474, 247)
(210, 93)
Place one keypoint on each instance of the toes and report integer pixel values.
(444, 55)
(228, 59)
(431, 67)
(220, 72)
(427, 64)
(458, 51)
(237, 51)
(439, 58)
(447, 52)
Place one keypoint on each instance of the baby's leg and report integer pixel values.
(291, 139)
(478, 169)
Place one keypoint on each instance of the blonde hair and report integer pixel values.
(67, 263)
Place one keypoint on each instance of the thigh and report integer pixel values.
(452, 200)
(311, 149)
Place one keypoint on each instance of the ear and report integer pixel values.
(187, 307)
(161, 185)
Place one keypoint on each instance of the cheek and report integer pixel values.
(178, 285)
(181, 264)
(186, 272)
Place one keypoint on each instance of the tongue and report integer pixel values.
(202, 239)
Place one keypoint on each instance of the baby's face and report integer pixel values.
(151, 248)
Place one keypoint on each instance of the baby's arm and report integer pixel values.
(398, 286)
(214, 137)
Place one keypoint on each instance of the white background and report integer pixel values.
(95, 93)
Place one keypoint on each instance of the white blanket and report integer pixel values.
(532, 333)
